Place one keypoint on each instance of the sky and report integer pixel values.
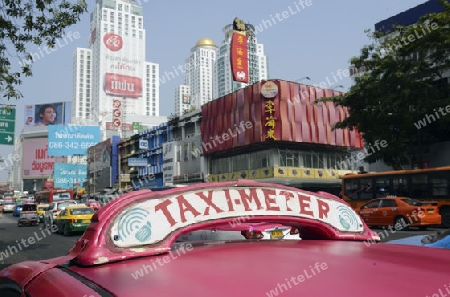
(315, 40)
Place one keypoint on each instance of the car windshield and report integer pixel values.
(412, 202)
(29, 207)
(81, 211)
(64, 205)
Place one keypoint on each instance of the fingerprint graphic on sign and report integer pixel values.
(135, 221)
(347, 218)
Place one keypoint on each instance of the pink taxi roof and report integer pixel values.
(131, 249)
(319, 268)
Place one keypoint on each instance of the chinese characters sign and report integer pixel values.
(239, 57)
(269, 111)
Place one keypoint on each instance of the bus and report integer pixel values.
(430, 185)
(51, 195)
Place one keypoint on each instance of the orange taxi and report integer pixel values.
(399, 212)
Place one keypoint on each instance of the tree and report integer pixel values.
(400, 93)
(30, 22)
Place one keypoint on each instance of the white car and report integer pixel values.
(54, 209)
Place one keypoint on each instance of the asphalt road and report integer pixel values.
(19, 244)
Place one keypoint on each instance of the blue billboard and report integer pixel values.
(66, 176)
(71, 140)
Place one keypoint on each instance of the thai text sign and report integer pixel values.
(137, 162)
(239, 57)
(66, 175)
(72, 140)
(36, 160)
(153, 220)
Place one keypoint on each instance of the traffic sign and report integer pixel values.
(7, 124)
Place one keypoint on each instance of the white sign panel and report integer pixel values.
(153, 220)
(168, 162)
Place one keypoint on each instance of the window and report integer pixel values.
(419, 186)
(373, 204)
(400, 186)
(388, 203)
(439, 183)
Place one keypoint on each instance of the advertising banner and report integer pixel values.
(122, 77)
(36, 161)
(239, 57)
(56, 113)
(72, 140)
(67, 176)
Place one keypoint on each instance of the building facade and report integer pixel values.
(113, 82)
(199, 72)
(182, 99)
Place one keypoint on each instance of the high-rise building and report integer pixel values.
(182, 99)
(113, 84)
(257, 62)
(199, 73)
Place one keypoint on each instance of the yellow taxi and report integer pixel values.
(41, 211)
(74, 218)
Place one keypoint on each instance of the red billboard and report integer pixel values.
(282, 111)
(36, 163)
(123, 85)
(239, 57)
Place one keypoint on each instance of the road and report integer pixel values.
(15, 241)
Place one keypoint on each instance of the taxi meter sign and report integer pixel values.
(7, 124)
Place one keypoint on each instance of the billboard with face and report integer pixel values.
(56, 113)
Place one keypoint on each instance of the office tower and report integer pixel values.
(182, 100)
(113, 83)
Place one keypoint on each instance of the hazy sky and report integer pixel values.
(314, 41)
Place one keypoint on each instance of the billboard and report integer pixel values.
(36, 161)
(239, 57)
(67, 176)
(56, 113)
(122, 77)
(72, 140)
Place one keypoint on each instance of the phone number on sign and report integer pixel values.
(66, 180)
(70, 145)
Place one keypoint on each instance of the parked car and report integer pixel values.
(131, 249)
(400, 212)
(54, 209)
(41, 208)
(1, 206)
(74, 218)
(28, 215)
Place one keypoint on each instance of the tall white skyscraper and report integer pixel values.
(113, 84)
(257, 63)
(182, 99)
